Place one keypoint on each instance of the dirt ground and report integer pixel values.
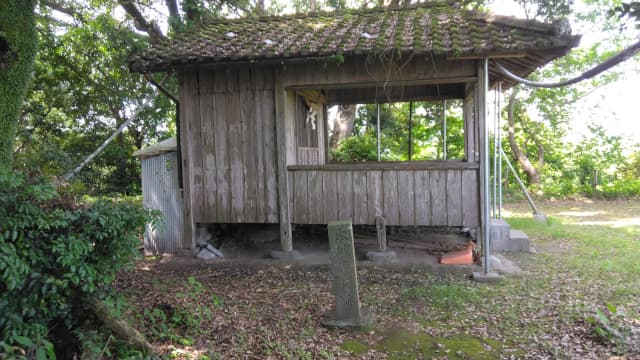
(614, 213)
(248, 306)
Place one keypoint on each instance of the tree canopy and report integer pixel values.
(83, 90)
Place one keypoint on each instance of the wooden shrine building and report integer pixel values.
(248, 88)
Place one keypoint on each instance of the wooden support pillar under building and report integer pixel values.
(282, 140)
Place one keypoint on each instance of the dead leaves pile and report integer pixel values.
(268, 310)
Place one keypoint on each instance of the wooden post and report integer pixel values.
(186, 97)
(283, 180)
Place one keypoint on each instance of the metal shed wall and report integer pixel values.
(160, 191)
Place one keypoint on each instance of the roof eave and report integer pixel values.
(559, 48)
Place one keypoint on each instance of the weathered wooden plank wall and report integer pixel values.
(230, 152)
(235, 122)
(447, 197)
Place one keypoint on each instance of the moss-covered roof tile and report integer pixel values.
(426, 28)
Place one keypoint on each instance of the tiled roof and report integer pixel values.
(437, 29)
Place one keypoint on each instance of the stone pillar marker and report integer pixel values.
(348, 314)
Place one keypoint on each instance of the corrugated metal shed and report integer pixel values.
(160, 191)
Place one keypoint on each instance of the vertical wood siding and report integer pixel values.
(160, 192)
(231, 146)
(447, 197)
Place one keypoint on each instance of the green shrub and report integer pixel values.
(356, 148)
(55, 254)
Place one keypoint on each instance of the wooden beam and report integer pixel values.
(390, 83)
(188, 232)
(492, 55)
(283, 181)
(395, 165)
(371, 95)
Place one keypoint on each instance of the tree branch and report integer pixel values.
(142, 24)
(65, 9)
(172, 6)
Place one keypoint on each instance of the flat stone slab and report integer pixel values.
(490, 277)
(502, 265)
(363, 323)
(293, 255)
(380, 257)
(208, 252)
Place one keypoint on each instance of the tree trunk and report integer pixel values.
(343, 128)
(518, 155)
(120, 328)
(539, 146)
(18, 46)
(88, 159)
(260, 10)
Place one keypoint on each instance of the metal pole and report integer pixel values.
(378, 129)
(524, 189)
(410, 129)
(495, 154)
(444, 129)
(499, 151)
(485, 167)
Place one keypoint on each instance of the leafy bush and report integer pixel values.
(356, 148)
(616, 327)
(56, 254)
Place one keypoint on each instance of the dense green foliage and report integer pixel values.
(82, 92)
(427, 141)
(55, 255)
(18, 44)
(544, 117)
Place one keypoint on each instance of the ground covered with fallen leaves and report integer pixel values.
(577, 298)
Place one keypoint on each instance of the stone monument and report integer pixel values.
(347, 314)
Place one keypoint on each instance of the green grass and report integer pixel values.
(596, 254)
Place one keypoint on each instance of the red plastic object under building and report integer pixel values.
(460, 257)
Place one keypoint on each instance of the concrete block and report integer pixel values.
(502, 265)
(379, 257)
(480, 276)
(293, 255)
(363, 322)
(499, 235)
(540, 217)
(518, 242)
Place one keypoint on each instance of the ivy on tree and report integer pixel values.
(18, 45)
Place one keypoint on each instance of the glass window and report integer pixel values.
(397, 131)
